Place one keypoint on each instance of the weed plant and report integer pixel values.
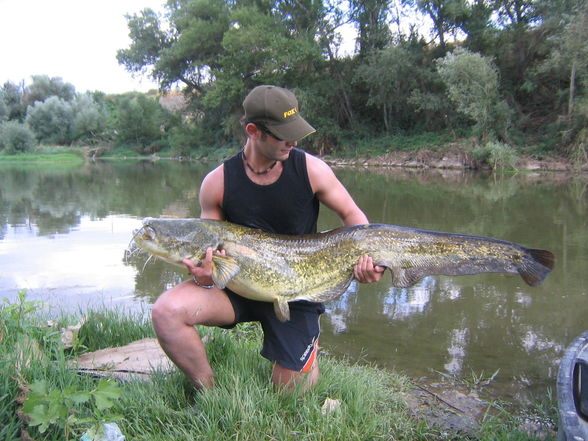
(43, 397)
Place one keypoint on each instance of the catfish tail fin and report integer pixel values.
(537, 267)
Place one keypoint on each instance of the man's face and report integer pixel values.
(272, 147)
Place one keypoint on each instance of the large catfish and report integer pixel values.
(319, 267)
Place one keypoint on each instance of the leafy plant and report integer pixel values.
(496, 154)
(12, 315)
(16, 137)
(62, 408)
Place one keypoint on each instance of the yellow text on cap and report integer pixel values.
(290, 112)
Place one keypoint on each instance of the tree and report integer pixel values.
(12, 95)
(51, 120)
(472, 84)
(44, 87)
(515, 13)
(569, 55)
(370, 17)
(89, 121)
(219, 50)
(446, 15)
(139, 121)
(570, 51)
(476, 24)
(3, 108)
(187, 51)
(390, 76)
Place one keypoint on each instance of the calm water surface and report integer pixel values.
(64, 231)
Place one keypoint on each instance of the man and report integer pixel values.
(273, 186)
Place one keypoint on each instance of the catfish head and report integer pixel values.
(174, 240)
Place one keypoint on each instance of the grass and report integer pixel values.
(46, 154)
(243, 406)
(394, 143)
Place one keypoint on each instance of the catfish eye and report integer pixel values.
(148, 233)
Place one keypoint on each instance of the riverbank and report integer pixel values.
(454, 158)
(44, 397)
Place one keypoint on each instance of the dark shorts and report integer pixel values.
(292, 344)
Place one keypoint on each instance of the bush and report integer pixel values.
(16, 137)
(472, 83)
(497, 155)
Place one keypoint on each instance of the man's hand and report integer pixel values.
(203, 271)
(365, 271)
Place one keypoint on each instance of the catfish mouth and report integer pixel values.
(146, 238)
(146, 233)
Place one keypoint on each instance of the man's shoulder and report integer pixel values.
(314, 163)
(214, 177)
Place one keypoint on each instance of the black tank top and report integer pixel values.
(288, 206)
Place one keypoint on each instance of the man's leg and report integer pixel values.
(284, 378)
(174, 315)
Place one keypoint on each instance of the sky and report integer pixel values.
(76, 40)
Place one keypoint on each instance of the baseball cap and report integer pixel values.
(277, 109)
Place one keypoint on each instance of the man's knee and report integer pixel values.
(169, 310)
(163, 307)
(186, 304)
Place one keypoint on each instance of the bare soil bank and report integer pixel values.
(455, 158)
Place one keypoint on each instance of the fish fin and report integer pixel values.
(405, 278)
(534, 270)
(327, 293)
(223, 270)
(282, 310)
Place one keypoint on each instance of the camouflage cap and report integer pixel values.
(277, 109)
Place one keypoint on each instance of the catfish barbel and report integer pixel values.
(319, 267)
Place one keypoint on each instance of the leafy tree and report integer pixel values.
(472, 83)
(515, 13)
(477, 25)
(44, 87)
(90, 120)
(16, 137)
(570, 52)
(51, 120)
(12, 96)
(390, 75)
(139, 123)
(569, 56)
(187, 51)
(370, 17)
(3, 108)
(446, 16)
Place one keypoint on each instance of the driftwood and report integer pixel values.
(137, 360)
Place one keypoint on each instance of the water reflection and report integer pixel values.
(403, 302)
(456, 350)
(338, 310)
(64, 231)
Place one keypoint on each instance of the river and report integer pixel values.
(64, 230)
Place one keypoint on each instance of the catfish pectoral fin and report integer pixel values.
(223, 270)
(282, 310)
(405, 278)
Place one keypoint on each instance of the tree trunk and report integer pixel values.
(572, 90)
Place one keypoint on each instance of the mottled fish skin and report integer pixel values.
(319, 267)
